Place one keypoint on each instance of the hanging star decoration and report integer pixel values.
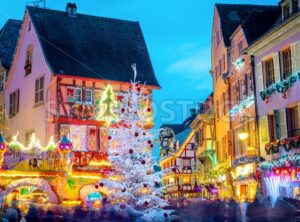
(108, 104)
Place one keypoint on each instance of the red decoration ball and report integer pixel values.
(123, 190)
(165, 215)
(123, 110)
(146, 203)
(145, 185)
(109, 137)
(138, 89)
(96, 186)
(143, 162)
(136, 134)
(101, 184)
(148, 110)
(151, 145)
(130, 151)
(149, 142)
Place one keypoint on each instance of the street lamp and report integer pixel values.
(243, 135)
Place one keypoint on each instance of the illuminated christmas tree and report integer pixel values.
(108, 105)
(137, 193)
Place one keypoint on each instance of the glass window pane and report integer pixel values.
(42, 83)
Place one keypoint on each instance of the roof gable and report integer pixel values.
(9, 35)
(92, 47)
(233, 15)
(260, 23)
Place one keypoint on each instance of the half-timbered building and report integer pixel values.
(178, 159)
(69, 68)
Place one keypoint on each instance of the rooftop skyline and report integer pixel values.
(178, 38)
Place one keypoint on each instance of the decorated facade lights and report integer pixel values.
(108, 104)
(244, 134)
(3, 149)
(15, 145)
(34, 142)
(51, 145)
(239, 63)
(246, 103)
(280, 87)
(65, 147)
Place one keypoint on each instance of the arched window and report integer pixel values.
(28, 61)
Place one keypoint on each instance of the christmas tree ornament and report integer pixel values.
(130, 151)
(143, 162)
(146, 203)
(124, 189)
(136, 134)
(145, 185)
(96, 186)
(151, 145)
(101, 184)
(149, 141)
(109, 137)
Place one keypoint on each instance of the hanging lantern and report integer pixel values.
(64, 144)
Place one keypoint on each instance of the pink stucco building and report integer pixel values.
(277, 67)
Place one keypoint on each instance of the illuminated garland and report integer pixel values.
(244, 104)
(219, 170)
(280, 87)
(285, 161)
(246, 159)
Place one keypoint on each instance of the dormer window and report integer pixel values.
(28, 61)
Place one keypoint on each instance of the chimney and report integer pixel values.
(71, 9)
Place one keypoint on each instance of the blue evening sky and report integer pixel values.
(178, 36)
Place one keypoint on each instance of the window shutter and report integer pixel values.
(230, 142)
(276, 67)
(263, 130)
(10, 104)
(295, 54)
(299, 111)
(18, 100)
(260, 77)
(282, 124)
(277, 123)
